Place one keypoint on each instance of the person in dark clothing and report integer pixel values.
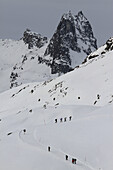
(24, 131)
(65, 119)
(70, 117)
(66, 157)
(55, 120)
(60, 119)
(49, 148)
(74, 161)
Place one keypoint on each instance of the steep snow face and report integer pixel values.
(73, 35)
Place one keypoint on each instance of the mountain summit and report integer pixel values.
(73, 36)
(36, 58)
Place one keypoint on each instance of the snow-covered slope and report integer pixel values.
(19, 64)
(89, 84)
(10, 53)
(29, 69)
(28, 113)
(87, 137)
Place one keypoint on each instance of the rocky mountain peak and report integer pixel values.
(68, 15)
(84, 31)
(34, 39)
(73, 35)
(81, 16)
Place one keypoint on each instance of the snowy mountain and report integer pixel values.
(71, 43)
(51, 120)
(35, 58)
(83, 98)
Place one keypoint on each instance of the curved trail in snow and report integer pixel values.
(30, 138)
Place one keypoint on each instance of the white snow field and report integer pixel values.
(10, 53)
(28, 113)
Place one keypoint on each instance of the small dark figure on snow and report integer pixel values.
(48, 148)
(65, 119)
(66, 157)
(55, 120)
(60, 119)
(74, 161)
(70, 117)
(98, 96)
(95, 102)
(24, 131)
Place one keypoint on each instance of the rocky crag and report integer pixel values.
(73, 37)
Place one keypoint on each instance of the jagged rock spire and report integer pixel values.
(84, 30)
(74, 33)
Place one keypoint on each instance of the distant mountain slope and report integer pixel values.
(35, 58)
(89, 84)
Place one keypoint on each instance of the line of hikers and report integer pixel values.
(66, 156)
(63, 119)
(74, 160)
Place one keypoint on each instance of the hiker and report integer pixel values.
(66, 157)
(74, 161)
(48, 148)
(55, 120)
(65, 119)
(24, 131)
(95, 102)
(98, 96)
(70, 117)
(60, 119)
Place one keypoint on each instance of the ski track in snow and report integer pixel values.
(56, 152)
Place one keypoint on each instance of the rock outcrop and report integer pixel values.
(107, 47)
(33, 39)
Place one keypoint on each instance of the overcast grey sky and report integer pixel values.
(43, 16)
